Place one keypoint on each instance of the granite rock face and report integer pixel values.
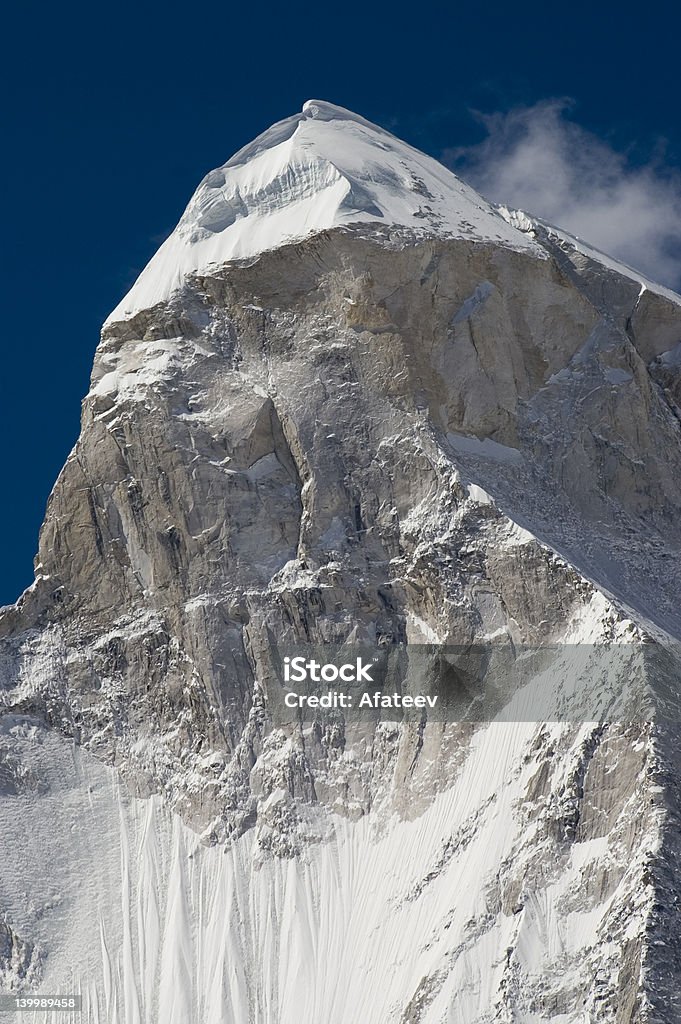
(374, 435)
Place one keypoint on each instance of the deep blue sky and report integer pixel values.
(114, 113)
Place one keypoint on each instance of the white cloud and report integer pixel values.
(537, 160)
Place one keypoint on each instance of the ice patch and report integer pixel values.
(615, 375)
(672, 357)
(485, 448)
(474, 302)
(478, 495)
(135, 366)
(427, 632)
(517, 536)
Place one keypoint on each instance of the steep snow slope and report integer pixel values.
(323, 168)
(476, 903)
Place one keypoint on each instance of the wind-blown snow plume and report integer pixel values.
(536, 159)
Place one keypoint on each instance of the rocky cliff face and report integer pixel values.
(349, 402)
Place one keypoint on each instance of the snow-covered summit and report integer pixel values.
(321, 168)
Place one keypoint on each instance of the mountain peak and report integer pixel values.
(321, 110)
(322, 168)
